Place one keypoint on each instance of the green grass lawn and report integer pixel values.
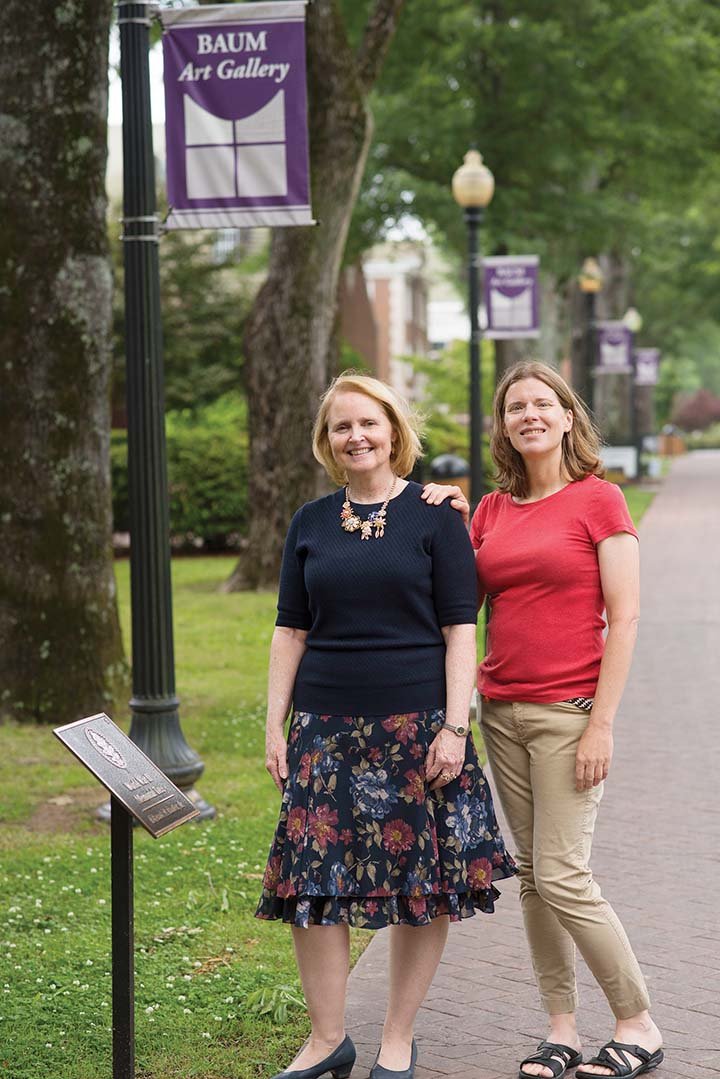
(638, 499)
(200, 953)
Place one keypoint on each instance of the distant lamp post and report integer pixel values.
(590, 282)
(634, 322)
(473, 186)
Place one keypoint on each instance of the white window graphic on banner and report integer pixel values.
(228, 159)
(512, 312)
(614, 356)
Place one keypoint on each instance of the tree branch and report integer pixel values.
(376, 39)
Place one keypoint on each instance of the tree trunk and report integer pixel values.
(60, 648)
(290, 337)
(512, 351)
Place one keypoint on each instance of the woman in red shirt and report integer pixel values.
(555, 550)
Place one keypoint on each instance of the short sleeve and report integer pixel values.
(453, 570)
(608, 514)
(293, 601)
(478, 523)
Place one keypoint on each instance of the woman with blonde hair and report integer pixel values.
(555, 548)
(386, 818)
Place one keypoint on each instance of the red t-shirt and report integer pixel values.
(537, 563)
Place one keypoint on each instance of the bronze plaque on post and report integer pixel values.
(127, 773)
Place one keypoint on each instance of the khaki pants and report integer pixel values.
(531, 749)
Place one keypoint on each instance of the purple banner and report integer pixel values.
(511, 296)
(614, 348)
(647, 366)
(236, 115)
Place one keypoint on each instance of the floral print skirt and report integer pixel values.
(362, 841)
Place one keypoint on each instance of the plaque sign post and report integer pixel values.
(140, 791)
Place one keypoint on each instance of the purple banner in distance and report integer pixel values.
(511, 296)
(614, 348)
(236, 115)
(647, 366)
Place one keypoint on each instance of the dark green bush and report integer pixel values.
(207, 474)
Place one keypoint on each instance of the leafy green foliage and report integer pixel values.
(207, 473)
(274, 1002)
(600, 124)
(580, 112)
(446, 398)
(206, 293)
(676, 377)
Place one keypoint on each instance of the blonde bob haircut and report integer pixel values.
(407, 448)
(580, 445)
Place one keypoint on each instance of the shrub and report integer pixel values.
(207, 474)
(696, 411)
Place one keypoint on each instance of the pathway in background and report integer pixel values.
(657, 844)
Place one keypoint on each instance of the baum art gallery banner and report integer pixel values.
(511, 296)
(614, 348)
(236, 115)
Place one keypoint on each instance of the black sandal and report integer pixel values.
(547, 1055)
(624, 1070)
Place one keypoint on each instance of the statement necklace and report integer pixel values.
(351, 521)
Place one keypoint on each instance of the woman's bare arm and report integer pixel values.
(619, 561)
(447, 750)
(286, 651)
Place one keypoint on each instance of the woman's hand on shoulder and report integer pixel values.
(436, 493)
(276, 755)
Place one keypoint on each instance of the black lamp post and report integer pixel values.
(155, 725)
(591, 282)
(473, 186)
(633, 320)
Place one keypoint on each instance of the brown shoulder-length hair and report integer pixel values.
(580, 445)
(407, 448)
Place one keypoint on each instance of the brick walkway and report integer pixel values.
(482, 1012)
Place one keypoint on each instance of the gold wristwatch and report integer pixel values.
(460, 731)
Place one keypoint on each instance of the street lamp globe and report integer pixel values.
(591, 277)
(473, 184)
(633, 320)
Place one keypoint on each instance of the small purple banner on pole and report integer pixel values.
(614, 348)
(647, 366)
(236, 115)
(511, 296)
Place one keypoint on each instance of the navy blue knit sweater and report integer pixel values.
(374, 608)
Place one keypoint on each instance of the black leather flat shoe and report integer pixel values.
(378, 1072)
(339, 1064)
